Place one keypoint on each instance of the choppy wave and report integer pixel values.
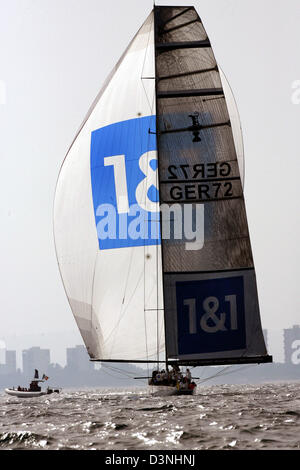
(218, 417)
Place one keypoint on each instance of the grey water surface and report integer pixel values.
(217, 417)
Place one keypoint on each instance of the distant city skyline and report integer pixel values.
(284, 345)
(38, 358)
(80, 372)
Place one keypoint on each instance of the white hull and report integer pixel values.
(167, 391)
(19, 394)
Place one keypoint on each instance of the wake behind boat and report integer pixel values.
(34, 389)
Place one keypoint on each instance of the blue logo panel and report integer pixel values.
(118, 168)
(210, 315)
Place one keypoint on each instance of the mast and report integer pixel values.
(155, 12)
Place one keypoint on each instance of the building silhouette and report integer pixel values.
(10, 362)
(10, 365)
(35, 358)
(78, 359)
(292, 345)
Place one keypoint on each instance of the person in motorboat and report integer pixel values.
(34, 386)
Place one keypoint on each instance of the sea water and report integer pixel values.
(217, 417)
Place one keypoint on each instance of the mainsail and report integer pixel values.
(162, 137)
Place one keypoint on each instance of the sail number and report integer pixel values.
(211, 321)
(203, 181)
(200, 170)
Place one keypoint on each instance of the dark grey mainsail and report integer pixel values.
(210, 294)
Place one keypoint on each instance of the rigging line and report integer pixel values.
(109, 372)
(145, 320)
(92, 293)
(117, 376)
(145, 294)
(217, 375)
(248, 366)
(207, 371)
(146, 51)
(203, 370)
(124, 311)
(144, 246)
(151, 106)
(106, 365)
(232, 371)
(142, 80)
(144, 260)
(220, 372)
(128, 374)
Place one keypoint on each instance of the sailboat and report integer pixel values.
(150, 225)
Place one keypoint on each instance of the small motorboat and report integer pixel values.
(34, 389)
(24, 394)
(30, 393)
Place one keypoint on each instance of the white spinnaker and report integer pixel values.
(116, 295)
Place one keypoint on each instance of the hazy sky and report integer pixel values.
(54, 57)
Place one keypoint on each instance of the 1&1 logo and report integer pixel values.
(124, 184)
